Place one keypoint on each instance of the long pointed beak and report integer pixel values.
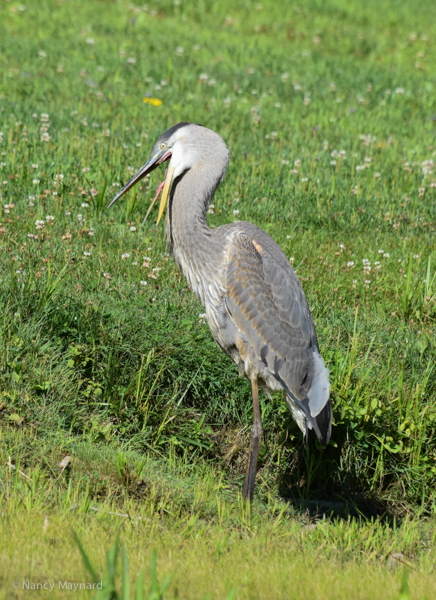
(166, 191)
(143, 171)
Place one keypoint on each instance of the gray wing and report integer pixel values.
(268, 306)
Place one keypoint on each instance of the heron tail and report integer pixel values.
(320, 408)
(322, 424)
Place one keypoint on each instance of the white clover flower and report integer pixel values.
(304, 179)
(49, 218)
(35, 181)
(87, 253)
(125, 256)
(202, 317)
(291, 260)
(107, 275)
(85, 170)
(416, 256)
(143, 282)
(84, 205)
(132, 228)
(67, 213)
(180, 50)
(147, 258)
(131, 60)
(235, 212)
(350, 263)
(385, 255)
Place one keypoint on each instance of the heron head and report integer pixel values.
(178, 146)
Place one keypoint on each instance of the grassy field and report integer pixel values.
(329, 110)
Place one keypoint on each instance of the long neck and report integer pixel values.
(193, 244)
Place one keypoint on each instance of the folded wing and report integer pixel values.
(268, 306)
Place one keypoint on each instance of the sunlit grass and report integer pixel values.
(202, 533)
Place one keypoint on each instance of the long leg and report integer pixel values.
(255, 439)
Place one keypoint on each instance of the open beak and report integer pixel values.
(150, 166)
(166, 191)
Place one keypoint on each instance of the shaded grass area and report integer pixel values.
(192, 515)
(329, 111)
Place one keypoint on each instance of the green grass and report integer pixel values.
(194, 518)
(329, 110)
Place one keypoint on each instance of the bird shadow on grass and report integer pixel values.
(325, 482)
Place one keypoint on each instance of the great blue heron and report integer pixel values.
(255, 305)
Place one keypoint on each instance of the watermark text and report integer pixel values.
(58, 585)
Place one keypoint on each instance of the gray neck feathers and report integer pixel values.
(188, 236)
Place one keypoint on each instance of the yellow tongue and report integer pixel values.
(166, 191)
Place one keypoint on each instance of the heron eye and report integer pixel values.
(163, 146)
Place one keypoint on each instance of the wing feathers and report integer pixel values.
(268, 305)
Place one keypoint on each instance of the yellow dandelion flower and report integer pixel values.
(154, 101)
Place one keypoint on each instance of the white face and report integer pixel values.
(184, 154)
